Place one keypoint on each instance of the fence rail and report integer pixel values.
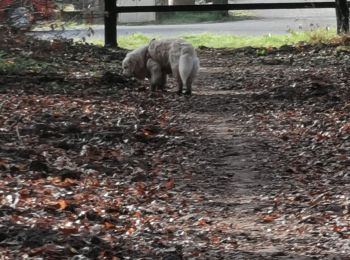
(221, 7)
(341, 7)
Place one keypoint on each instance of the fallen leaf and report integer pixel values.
(268, 218)
(170, 184)
(62, 204)
(109, 225)
(130, 231)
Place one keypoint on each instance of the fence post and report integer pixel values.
(342, 13)
(110, 23)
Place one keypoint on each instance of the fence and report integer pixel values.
(111, 11)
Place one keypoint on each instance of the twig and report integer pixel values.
(2, 104)
(229, 154)
(19, 136)
(15, 124)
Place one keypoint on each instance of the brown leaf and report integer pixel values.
(268, 218)
(4, 164)
(68, 181)
(69, 230)
(46, 249)
(170, 184)
(338, 229)
(56, 45)
(146, 132)
(116, 154)
(215, 239)
(137, 214)
(345, 128)
(140, 188)
(164, 119)
(202, 222)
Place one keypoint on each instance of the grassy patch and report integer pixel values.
(133, 41)
(232, 41)
(200, 17)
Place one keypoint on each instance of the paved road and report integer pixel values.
(265, 22)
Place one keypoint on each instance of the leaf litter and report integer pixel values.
(255, 165)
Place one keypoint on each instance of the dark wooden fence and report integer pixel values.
(111, 10)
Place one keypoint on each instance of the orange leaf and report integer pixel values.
(146, 132)
(108, 225)
(268, 218)
(66, 182)
(202, 222)
(137, 214)
(215, 239)
(69, 181)
(62, 204)
(130, 231)
(87, 109)
(337, 229)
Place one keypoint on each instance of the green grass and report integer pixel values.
(200, 17)
(132, 41)
(231, 41)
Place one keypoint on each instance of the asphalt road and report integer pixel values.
(264, 22)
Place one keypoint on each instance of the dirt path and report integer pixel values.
(243, 190)
(233, 179)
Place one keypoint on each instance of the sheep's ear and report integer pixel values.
(152, 40)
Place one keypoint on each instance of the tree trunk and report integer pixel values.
(342, 13)
(110, 24)
(222, 2)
